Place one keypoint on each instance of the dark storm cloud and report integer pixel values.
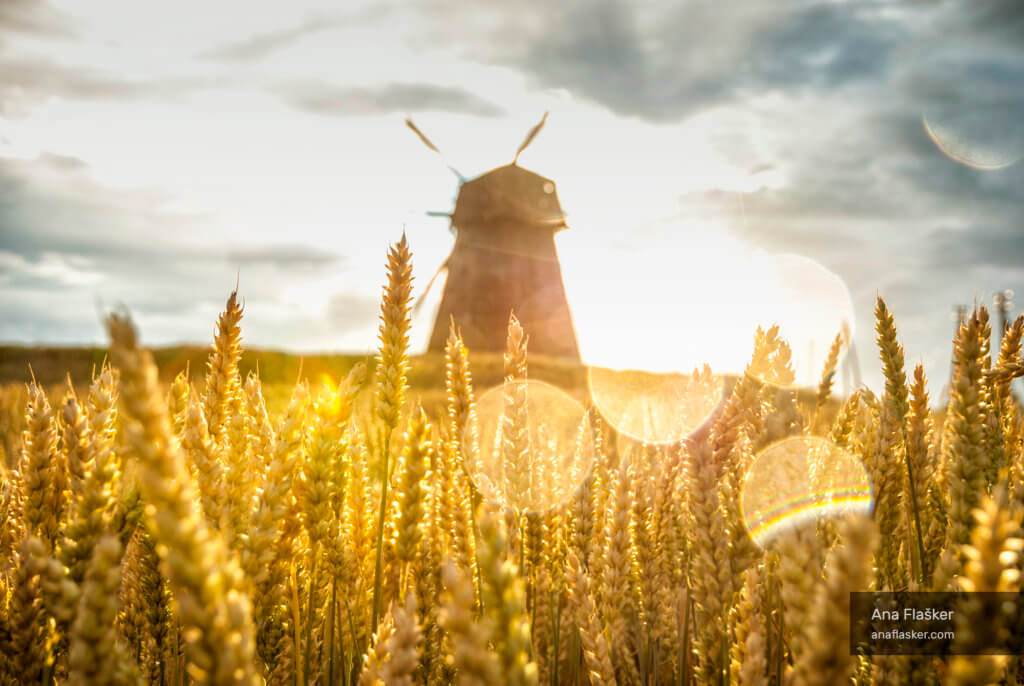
(394, 97)
(1000, 246)
(832, 93)
(858, 205)
(822, 46)
(864, 190)
(595, 51)
(993, 19)
(846, 180)
(698, 54)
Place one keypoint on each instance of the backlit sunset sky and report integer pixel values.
(150, 153)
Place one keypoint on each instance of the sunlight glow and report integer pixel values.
(677, 298)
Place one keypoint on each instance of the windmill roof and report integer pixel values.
(509, 193)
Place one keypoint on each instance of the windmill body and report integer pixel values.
(504, 261)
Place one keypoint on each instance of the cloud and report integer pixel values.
(352, 311)
(866, 192)
(821, 103)
(833, 96)
(284, 256)
(872, 198)
(995, 20)
(25, 82)
(980, 247)
(393, 97)
(46, 270)
(665, 61)
(71, 248)
(56, 216)
(52, 205)
(65, 163)
(262, 45)
(32, 17)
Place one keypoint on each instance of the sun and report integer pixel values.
(685, 298)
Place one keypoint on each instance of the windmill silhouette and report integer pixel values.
(504, 260)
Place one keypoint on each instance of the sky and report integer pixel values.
(721, 164)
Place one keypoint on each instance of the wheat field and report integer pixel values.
(195, 534)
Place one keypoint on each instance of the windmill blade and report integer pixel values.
(427, 142)
(530, 136)
(423, 136)
(418, 305)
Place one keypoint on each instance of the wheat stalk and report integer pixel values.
(255, 551)
(206, 581)
(392, 369)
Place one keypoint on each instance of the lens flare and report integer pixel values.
(531, 456)
(799, 480)
(976, 138)
(676, 303)
(654, 408)
(810, 305)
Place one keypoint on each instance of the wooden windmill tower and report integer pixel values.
(504, 261)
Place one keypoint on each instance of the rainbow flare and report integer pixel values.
(801, 480)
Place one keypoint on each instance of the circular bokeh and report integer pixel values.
(528, 445)
(980, 138)
(651, 407)
(799, 480)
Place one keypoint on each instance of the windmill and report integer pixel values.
(504, 260)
